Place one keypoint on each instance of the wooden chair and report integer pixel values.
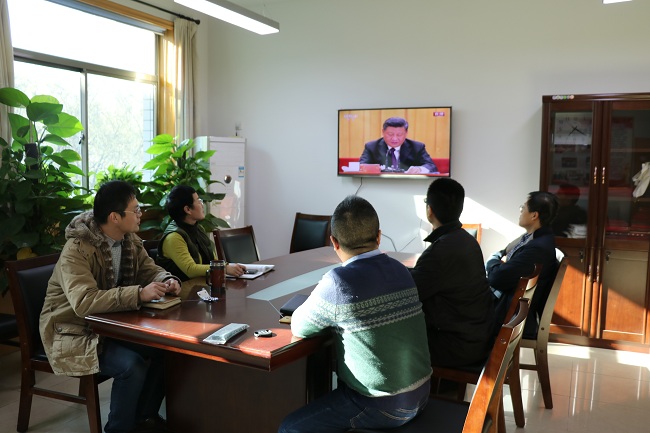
(474, 230)
(539, 344)
(482, 413)
(236, 245)
(470, 374)
(310, 231)
(28, 280)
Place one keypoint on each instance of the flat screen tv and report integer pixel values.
(420, 136)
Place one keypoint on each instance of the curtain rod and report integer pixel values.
(169, 12)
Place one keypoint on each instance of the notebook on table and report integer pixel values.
(254, 271)
(163, 303)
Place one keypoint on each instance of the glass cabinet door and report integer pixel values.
(569, 169)
(628, 195)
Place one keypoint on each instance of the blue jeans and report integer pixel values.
(338, 412)
(138, 383)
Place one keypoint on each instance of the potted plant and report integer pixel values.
(39, 195)
(126, 173)
(174, 164)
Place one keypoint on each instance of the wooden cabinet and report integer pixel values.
(594, 148)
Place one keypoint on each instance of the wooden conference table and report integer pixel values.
(248, 384)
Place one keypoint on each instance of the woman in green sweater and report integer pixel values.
(186, 249)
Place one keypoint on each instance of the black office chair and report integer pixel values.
(151, 246)
(28, 280)
(8, 330)
(309, 232)
(236, 245)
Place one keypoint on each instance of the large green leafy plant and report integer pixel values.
(175, 164)
(126, 173)
(38, 192)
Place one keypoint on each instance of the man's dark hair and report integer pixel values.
(113, 196)
(545, 204)
(179, 197)
(446, 198)
(355, 224)
(395, 122)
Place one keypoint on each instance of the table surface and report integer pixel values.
(255, 302)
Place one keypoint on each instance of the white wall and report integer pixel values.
(491, 62)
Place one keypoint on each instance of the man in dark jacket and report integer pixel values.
(518, 259)
(450, 278)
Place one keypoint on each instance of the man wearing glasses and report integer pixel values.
(518, 259)
(103, 267)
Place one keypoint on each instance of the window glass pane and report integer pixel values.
(120, 123)
(49, 28)
(62, 84)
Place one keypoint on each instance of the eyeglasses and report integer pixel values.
(137, 211)
(200, 200)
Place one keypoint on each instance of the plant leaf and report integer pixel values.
(13, 97)
(163, 138)
(62, 162)
(55, 139)
(70, 155)
(44, 112)
(67, 126)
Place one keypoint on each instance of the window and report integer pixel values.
(102, 70)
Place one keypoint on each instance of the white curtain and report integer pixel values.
(184, 32)
(6, 66)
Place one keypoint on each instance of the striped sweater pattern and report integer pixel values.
(372, 307)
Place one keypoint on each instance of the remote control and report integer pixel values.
(263, 333)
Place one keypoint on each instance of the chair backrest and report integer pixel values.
(28, 280)
(309, 232)
(544, 327)
(484, 406)
(474, 230)
(236, 245)
(525, 289)
(151, 247)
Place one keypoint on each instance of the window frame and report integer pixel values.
(164, 116)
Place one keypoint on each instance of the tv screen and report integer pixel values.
(395, 142)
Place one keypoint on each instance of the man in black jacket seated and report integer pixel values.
(518, 259)
(450, 277)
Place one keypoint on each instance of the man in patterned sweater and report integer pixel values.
(371, 306)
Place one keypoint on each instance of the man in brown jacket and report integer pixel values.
(86, 280)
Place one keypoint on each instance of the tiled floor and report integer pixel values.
(594, 390)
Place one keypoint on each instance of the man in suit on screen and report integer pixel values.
(396, 152)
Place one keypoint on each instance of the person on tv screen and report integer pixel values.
(396, 152)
